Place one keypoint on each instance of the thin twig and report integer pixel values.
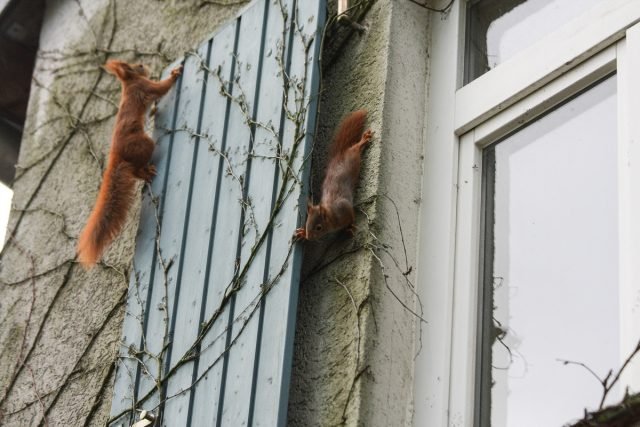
(611, 379)
(443, 10)
(357, 365)
(35, 390)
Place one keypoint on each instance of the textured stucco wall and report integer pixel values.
(61, 325)
(353, 363)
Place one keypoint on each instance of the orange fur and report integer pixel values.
(335, 210)
(131, 150)
(348, 133)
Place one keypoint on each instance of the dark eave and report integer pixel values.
(20, 22)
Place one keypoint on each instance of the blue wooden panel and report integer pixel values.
(128, 370)
(208, 369)
(173, 209)
(208, 334)
(279, 307)
(261, 86)
(186, 310)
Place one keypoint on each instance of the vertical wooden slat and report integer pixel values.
(139, 285)
(267, 149)
(240, 144)
(186, 318)
(280, 303)
(173, 210)
(208, 372)
(260, 166)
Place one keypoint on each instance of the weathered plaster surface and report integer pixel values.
(60, 329)
(353, 363)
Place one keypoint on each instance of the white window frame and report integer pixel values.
(459, 124)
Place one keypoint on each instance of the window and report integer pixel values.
(530, 173)
(497, 30)
(549, 289)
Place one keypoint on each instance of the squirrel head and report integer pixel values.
(316, 225)
(124, 71)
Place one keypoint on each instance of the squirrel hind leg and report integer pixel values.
(366, 139)
(138, 150)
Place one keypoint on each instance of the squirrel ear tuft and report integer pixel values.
(110, 66)
(120, 69)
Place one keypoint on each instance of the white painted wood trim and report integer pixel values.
(437, 223)
(468, 230)
(466, 284)
(629, 200)
(481, 113)
(547, 97)
(573, 43)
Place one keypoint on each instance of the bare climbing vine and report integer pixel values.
(295, 104)
(204, 3)
(75, 116)
(443, 10)
(382, 257)
(73, 113)
(608, 382)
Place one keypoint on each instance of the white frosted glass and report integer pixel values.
(555, 262)
(499, 29)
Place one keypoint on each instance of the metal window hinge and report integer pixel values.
(146, 419)
(344, 18)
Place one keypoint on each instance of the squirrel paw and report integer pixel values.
(351, 230)
(175, 73)
(366, 139)
(148, 173)
(300, 234)
(367, 136)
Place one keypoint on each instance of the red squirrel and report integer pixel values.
(335, 210)
(131, 150)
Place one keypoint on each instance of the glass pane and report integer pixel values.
(551, 265)
(498, 29)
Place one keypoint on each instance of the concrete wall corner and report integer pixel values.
(358, 310)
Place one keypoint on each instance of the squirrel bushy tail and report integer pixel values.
(348, 133)
(109, 214)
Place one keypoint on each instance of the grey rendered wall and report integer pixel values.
(357, 312)
(61, 325)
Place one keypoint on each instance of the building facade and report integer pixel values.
(492, 272)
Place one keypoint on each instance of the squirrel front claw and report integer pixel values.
(151, 172)
(175, 73)
(300, 234)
